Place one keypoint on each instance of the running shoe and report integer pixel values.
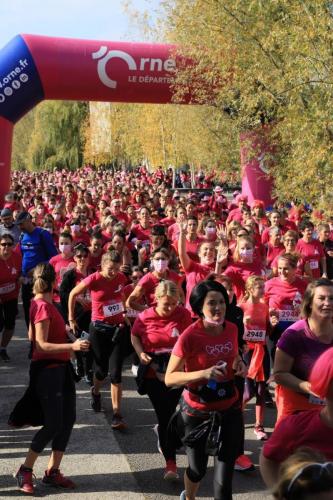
(57, 480)
(134, 369)
(170, 473)
(260, 433)
(95, 401)
(183, 495)
(118, 422)
(4, 356)
(24, 480)
(243, 463)
(155, 429)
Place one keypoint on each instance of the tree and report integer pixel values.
(263, 62)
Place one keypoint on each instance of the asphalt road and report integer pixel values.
(106, 464)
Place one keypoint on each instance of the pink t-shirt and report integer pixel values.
(303, 429)
(141, 233)
(40, 310)
(239, 272)
(285, 298)
(160, 333)
(201, 350)
(312, 253)
(194, 274)
(107, 297)
(272, 253)
(61, 266)
(149, 283)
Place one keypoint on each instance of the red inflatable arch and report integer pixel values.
(34, 68)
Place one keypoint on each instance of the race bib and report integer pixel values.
(8, 288)
(289, 315)
(254, 335)
(113, 309)
(132, 313)
(314, 264)
(316, 401)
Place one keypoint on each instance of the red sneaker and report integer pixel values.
(24, 480)
(54, 478)
(243, 463)
(170, 473)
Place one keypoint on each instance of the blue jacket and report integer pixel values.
(36, 247)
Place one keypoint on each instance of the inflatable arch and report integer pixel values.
(34, 68)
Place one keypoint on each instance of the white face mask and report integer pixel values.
(211, 322)
(75, 228)
(246, 252)
(65, 248)
(210, 231)
(160, 265)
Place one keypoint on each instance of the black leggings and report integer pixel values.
(8, 311)
(108, 354)
(232, 437)
(55, 389)
(27, 296)
(164, 401)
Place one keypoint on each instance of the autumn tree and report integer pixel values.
(260, 63)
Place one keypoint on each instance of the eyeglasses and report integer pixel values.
(312, 472)
(6, 244)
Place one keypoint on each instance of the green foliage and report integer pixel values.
(50, 136)
(262, 62)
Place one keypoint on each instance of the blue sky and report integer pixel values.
(89, 19)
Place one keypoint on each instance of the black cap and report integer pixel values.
(23, 216)
(5, 212)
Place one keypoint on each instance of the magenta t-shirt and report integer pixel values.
(303, 346)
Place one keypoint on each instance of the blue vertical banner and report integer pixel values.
(20, 86)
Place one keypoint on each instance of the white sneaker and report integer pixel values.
(135, 370)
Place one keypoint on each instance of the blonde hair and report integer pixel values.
(248, 239)
(43, 278)
(250, 282)
(234, 225)
(165, 288)
(292, 485)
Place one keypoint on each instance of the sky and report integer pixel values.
(86, 19)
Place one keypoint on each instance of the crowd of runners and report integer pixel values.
(214, 300)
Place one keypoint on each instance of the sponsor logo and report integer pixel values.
(148, 66)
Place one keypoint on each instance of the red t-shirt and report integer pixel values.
(95, 262)
(239, 272)
(107, 298)
(142, 234)
(61, 266)
(158, 333)
(40, 310)
(312, 253)
(302, 429)
(167, 221)
(273, 253)
(194, 274)
(82, 237)
(173, 232)
(10, 271)
(201, 350)
(149, 283)
(192, 248)
(285, 298)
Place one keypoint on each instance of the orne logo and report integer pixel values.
(146, 64)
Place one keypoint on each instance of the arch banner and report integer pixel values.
(34, 68)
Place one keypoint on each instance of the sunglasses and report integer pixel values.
(312, 472)
(6, 244)
(80, 256)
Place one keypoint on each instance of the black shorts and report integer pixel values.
(8, 312)
(109, 356)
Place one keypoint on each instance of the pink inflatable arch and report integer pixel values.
(34, 68)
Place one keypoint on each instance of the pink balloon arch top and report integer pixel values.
(34, 68)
